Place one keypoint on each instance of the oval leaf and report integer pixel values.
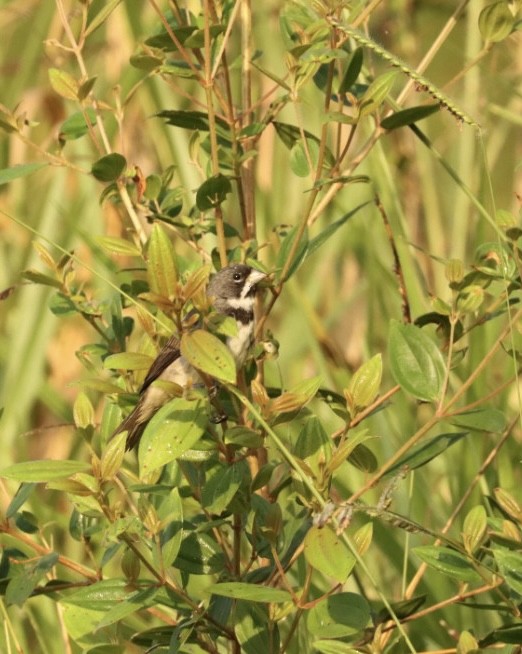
(364, 385)
(416, 362)
(128, 361)
(339, 615)
(208, 354)
(173, 430)
(63, 83)
(326, 552)
(213, 192)
(496, 21)
(109, 168)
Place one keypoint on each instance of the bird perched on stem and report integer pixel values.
(232, 293)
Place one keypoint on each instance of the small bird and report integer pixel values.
(232, 293)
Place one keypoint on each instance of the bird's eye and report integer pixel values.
(237, 277)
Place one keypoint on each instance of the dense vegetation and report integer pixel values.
(363, 492)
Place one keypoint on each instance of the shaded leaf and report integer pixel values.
(75, 126)
(425, 452)
(200, 555)
(213, 192)
(409, 116)
(342, 614)
(109, 167)
(352, 71)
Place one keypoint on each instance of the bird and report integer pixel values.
(232, 293)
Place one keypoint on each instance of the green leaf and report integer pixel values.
(83, 411)
(43, 470)
(490, 420)
(220, 487)
(109, 167)
(173, 430)
(299, 162)
(100, 596)
(63, 84)
(213, 192)
(341, 454)
(300, 253)
(145, 62)
(255, 628)
(510, 633)
(128, 361)
(140, 599)
(326, 552)
(376, 93)
(496, 21)
(449, 562)
(251, 592)
(15, 172)
(364, 385)
(118, 245)
(474, 528)
(100, 14)
(19, 499)
(161, 265)
(194, 120)
(510, 565)
(425, 452)
(170, 513)
(200, 555)
(416, 362)
(339, 615)
(409, 116)
(208, 354)
(112, 456)
(36, 277)
(352, 71)
(75, 126)
(20, 588)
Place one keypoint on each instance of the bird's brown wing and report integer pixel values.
(168, 354)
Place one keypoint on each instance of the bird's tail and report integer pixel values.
(134, 428)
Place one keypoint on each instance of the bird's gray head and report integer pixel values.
(233, 284)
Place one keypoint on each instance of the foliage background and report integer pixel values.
(335, 313)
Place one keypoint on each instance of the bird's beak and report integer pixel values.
(255, 277)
